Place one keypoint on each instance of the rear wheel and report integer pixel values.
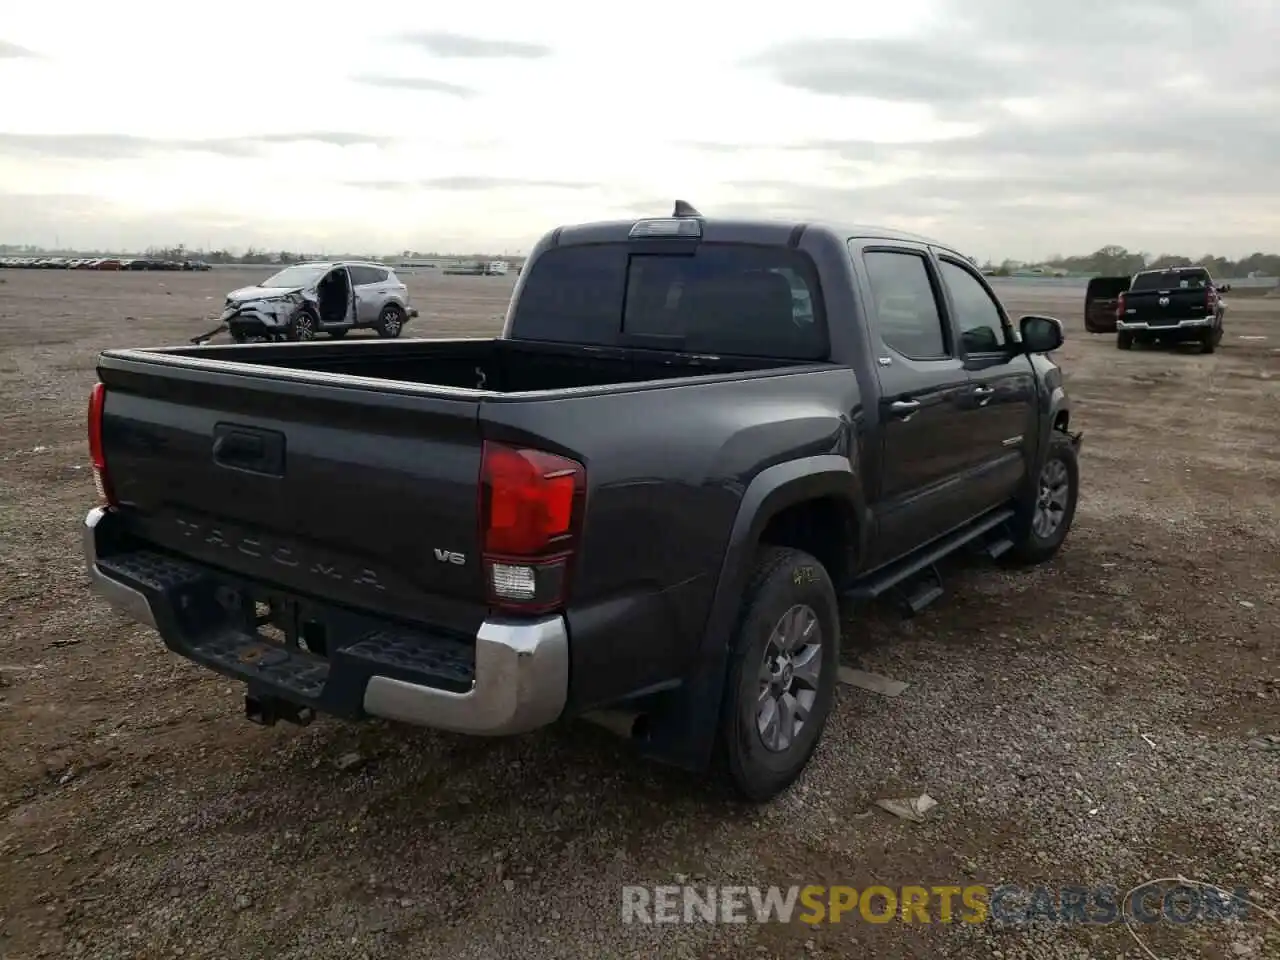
(1209, 342)
(391, 320)
(1124, 340)
(781, 682)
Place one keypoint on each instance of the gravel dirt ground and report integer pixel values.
(1099, 720)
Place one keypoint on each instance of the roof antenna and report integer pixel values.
(685, 209)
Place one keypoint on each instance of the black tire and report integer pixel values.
(339, 333)
(239, 338)
(1209, 342)
(303, 326)
(391, 321)
(782, 580)
(1124, 340)
(1030, 546)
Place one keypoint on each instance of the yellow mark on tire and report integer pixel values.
(802, 575)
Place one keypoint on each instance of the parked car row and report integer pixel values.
(100, 263)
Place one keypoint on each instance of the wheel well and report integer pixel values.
(1061, 420)
(824, 528)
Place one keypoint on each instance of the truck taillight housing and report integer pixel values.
(530, 512)
(97, 400)
(1120, 307)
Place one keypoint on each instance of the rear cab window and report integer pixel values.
(718, 298)
(1171, 280)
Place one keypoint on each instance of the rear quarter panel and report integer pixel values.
(666, 472)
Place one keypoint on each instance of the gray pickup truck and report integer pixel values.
(642, 503)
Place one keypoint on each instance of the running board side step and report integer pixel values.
(925, 559)
(998, 548)
(918, 592)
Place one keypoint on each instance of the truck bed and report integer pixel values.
(340, 470)
(492, 366)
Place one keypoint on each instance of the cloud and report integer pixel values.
(11, 51)
(333, 138)
(414, 83)
(987, 51)
(119, 146)
(1142, 114)
(441, 43)
(887, 69)
(468, 184)
(93, 222)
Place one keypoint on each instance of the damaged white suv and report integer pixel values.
(310, 298)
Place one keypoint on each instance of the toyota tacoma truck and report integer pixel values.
(1173, 305)
(642, 503)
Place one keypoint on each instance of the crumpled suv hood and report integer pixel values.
(245, 294)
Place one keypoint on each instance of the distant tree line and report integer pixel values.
(1113, 260)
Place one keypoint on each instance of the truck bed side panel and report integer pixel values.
(666, 471)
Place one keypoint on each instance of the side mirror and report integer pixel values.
(1040, 334)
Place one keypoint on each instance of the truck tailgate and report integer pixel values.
(1166, 306)
(317, 484)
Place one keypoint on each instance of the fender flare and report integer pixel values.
(689, 727)
(1058, 402)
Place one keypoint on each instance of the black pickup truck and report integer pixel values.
(641, 503)
(1173, 305)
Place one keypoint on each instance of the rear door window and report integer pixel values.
(907, 314)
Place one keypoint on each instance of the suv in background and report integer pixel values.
(331, 297)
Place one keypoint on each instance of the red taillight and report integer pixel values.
(530, 503)
(98, 458)
(1209, 295)
(1120, 306)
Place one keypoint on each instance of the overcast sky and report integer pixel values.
(1006, 128)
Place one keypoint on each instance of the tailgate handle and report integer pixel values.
(248, 448)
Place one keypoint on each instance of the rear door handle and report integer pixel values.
(984, 391)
